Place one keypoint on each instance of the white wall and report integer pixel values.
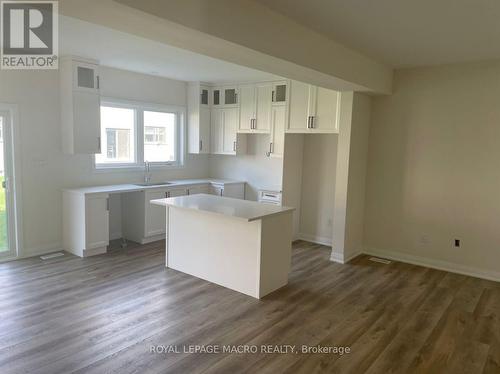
(292, 177)
(45, 169)
(434, 170)
(318, 187)
(309, 174)
(258, 170)
(356, 183)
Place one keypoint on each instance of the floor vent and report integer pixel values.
(381, 260)
(52, 255)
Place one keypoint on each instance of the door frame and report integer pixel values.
(12, 159)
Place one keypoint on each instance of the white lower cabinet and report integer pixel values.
(96, 222)
(85, 223)
(86, 215)
(198, 189)
(143, 222)
(233, 190)
(154, 218)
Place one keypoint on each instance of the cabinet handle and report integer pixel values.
(107, 204)
(167, 194)
(98, 83)
(201, 145)
(234, 146)
(272, 97)
(312, 122)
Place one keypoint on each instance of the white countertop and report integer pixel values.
(243, 209)
(117, 188)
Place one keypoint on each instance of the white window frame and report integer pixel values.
(139, 108)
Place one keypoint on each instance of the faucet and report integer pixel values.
(147, 172)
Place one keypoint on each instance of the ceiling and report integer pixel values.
(129, 52)
(404, 33)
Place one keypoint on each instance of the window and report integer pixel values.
(132, 134)
(118, 144)
(159, 137)
(117, 135)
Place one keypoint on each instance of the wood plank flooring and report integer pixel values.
(104, 314)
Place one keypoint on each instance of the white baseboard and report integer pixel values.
(339, 258)
(323, 240)
(435, 264)
(115, 235)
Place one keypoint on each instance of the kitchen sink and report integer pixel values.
(153, 184)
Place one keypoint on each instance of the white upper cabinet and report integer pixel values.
(226, 96)
(255, 108)
(264, 101)
(326, 111)
(248, 98)
(230, 129)
(216, 97)
(216, 129)
(299, 106)
(278, 125)
(230, 96)
(313, 109)
(85, 77)
(279, 95)
(80, 106)
(224, 127)
(198, 119)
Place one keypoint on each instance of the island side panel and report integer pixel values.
(276, 252)
(217, 248)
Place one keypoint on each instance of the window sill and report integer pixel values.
(134, 168)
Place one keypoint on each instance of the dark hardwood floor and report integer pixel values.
(104, 314)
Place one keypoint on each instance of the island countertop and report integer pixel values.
(242, 209)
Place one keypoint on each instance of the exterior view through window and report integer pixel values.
(117, 134)
(159, 137)
(3, 211)
(122, 126)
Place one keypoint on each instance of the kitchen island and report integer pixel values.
(239, 244)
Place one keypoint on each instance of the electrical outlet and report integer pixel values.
(424, 240)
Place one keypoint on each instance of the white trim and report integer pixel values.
(115, 235)
(339, 258)
(435, 264)
(323, 240)
(15, 161)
